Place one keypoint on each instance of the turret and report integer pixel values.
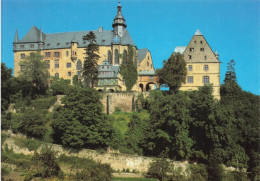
(16, 40)
(119, 22)
(74, 47)
(216, 54)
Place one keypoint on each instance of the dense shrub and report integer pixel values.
(198, 172)
(159, 169)
(46, 164)
(6, 121)
(28, 143)
(43, 103)
(59, 86)
(33, 123)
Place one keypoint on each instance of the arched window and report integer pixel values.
(116, 57)
(124, 57)
(79, 65)
(109, 56)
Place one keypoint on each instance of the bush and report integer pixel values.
(43, 103)
(28, 143)
(6, 121)
(198, 172)
(59, 86)
(33, 124)
(46, 164)
(158, 169)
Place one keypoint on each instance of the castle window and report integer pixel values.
(148, 58)
(47, 54)
(68, 65)
(205, 79)
(190, 79)
(58, 44)
(202, 49)
(109, 81)
(109, 56)
(205, 57)
(22, 67)
(79, 65)
(124, 57)
(67, 43)
(56, 54)
(22, 56)
(116, 57)
(201, 42)
(69, 74)
(190, 57)
(57, 64)
(48, 64)
(32, 45)
(206, 67)
(147, 64)
(191, 49)
(190, 67)
(21, 46)
(67, 53)
(48, 45)
(195, 42)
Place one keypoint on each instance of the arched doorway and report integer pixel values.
(100, 90)
(111, 90)
(141, 86)
(150, 86)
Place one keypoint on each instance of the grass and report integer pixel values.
(132, 179)
(32, 145)
(120, 119)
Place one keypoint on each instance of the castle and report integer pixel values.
(64, 54)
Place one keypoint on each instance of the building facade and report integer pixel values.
(203, 64)
(64, 53)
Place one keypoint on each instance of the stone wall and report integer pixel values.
(124, 101)
(117, 161)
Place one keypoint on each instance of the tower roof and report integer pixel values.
(40, 38)
(16, 38)
(33, 35)
(198, 32)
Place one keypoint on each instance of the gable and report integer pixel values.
(198, 50)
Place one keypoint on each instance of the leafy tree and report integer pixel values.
(169, 123)
(173, 73)
(76, 81)
(159, 169)
(128, 69)
(34, 75)
(81, 122)
(6, 75)
(90, 69)
(230, 76)
(59, 86)
(136, 134)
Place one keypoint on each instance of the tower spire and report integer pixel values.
(16, 38)
(119, 24)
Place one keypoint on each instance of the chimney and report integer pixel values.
(100, 29)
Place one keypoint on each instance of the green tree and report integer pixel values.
(159, 169)
(128, 69)
(34, 75)
(6, 75)
(173, 73)
(59, 86)
(81, 122)
(90, 68)
(169, 123)
(230, 76)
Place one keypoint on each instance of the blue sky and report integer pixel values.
(230, 26)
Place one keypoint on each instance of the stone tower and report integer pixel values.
(119, 24)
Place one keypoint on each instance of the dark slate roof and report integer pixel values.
(33, 35)
(64, 39)
(141, 54)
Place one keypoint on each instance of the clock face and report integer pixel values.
(116, 39)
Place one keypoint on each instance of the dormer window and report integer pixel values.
(21, 46)
(84, 42)
(48, 45)
(31, 45)
(195, 42)
(103, 41)
(67, 43)
(191, 49)
(58, 44)
(201, 42)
